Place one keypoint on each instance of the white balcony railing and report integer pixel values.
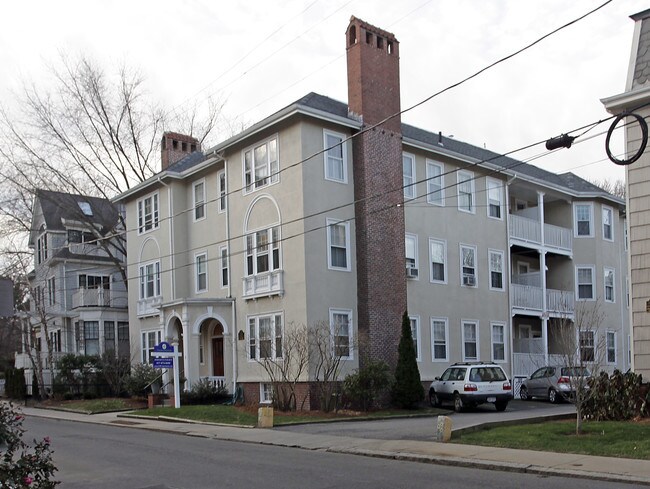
(558, 237)
(150, 306)
(263, 284)
(526, 297)
(99, 297)
(560, 301)
(218, 382)
(530, 231)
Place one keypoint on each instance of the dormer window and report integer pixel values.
(85, 208)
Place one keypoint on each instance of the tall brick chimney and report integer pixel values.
(373, 95)
(174, 147)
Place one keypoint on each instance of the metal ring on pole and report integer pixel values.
(644, 138)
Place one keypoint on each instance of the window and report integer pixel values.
(336, 167)
(498, 342)
(199, 200)
(150, 280)
(85, 208)
(338, 245)
(411, 244)
(41, 247)
(609, 285)
(266, 393)
(261, 165)
(495, 258)
(55, 340)
(470, 340)
(584, 217)
(149, 340)
(408, 172)
(148, 213)
(94, 281)
(415, 333)
(587, 352)
(91, 337)
(109, 336)
(585, 280)
(78, 236)
(435, 183)
(265, 337)
(123, 343)
(494, 198)
(223, 253)
(439, 335)
(608, 223)
(221, 179)
(611, 346)
(201, 262)
(263, 251)
(51, 291)
(341, 330)
(468, 265)
(466, 191)
(438, 259)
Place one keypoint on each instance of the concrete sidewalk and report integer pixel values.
(527, 461)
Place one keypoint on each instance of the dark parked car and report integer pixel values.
(471, 384)
(554, 383)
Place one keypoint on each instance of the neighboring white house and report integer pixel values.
(315, 215)
(635, 99)
(78, 296)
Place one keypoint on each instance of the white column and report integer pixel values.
(542, 266)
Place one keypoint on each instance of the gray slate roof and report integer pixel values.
(57, 206)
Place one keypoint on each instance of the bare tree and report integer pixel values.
(614, 187)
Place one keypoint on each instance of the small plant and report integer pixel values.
(205, 392)
(141, 378)
(21, 466)
(366, 385)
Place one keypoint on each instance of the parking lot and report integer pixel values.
(423, 428)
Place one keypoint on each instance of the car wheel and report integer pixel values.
(458, 403)
(501, 406)
(523, 394)
(434, 400)
(552, 396)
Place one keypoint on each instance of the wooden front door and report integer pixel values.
(217, 357)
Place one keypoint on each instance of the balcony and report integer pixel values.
(529, 231)
(149, 306)
(529, 298)
(263, 284)
(99, 297)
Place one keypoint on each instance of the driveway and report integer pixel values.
(424, 428)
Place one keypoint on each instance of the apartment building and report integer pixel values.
(78, 294)
(338, 213)
(634, 100)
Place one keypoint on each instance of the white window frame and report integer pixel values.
(435, 183)
(143, 225)
(503, 265)
(266, 393)
(408, 181)
(51, 291)
(223, 266)
(606, 270)
(328, 157)
(146, 348)
(348, 313)
(475, 267)
(442, 242)
(576, 206)
(609, 347)
(492, 185)
(331, 223)
(474, 322)
(591, 345)
(253, 250)
(222, 187)
(415, 332)
(272, 167)
(593, 282)
(465, 176)
(254, 339)
(200, 259)
(199, 202)
(493, 325)
(414, 239)
(610, 211)
(143, 275)
(433, 339)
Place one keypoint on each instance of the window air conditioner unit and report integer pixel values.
(469, 280)
(411, 272)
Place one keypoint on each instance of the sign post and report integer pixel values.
(166, 356)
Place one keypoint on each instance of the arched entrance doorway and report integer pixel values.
(213, 341)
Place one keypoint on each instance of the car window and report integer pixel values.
(538, 373)
(575, 371)
(447, 374)
(550, 372)
(460, 374)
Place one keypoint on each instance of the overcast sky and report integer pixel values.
(260, 55)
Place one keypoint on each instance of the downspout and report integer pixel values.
(170, 208)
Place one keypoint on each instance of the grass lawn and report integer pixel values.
(94, 405)
(625, 439)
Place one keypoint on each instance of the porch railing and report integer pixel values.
(529, 231)
(218, 382)
(560, 301)
(99, 297)
(149, 307)
(558, 237)
(526, 297)
(525, 364)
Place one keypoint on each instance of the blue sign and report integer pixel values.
(163, 362)
(163, 346)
